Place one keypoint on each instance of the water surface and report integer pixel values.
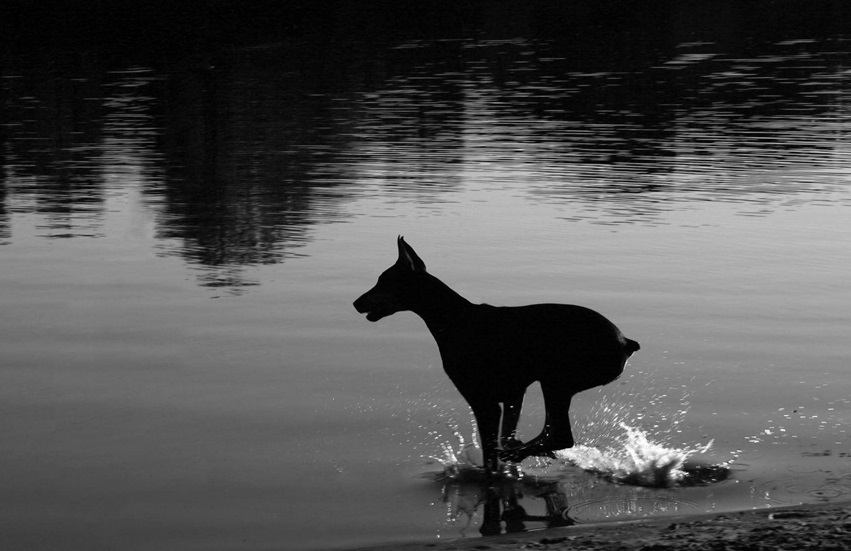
(183, 235)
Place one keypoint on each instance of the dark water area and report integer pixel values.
(192, 196)
(217, 130)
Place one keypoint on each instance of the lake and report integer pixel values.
(183, 232)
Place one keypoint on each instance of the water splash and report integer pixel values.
(462, 463)
(637, 460)
(633, 458)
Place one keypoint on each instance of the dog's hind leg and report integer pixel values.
(556, 434)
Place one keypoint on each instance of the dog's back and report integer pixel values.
(495, 350)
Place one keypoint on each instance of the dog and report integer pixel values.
(493, 353)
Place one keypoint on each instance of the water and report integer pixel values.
(633, 460)
(183, 234)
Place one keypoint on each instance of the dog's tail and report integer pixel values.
(632, 346)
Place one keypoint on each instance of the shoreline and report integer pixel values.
(822, 526)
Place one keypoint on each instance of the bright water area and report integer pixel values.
(182, 237)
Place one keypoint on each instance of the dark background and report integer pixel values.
(197, 24)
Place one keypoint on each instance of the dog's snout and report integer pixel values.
(374, 305)
(360, 303)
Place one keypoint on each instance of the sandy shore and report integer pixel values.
(825, 527)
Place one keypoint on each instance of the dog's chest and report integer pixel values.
(484, 362)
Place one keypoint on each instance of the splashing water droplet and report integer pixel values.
(461, 462)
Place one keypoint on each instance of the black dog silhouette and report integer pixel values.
(493, 354)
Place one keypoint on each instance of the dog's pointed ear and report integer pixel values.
(408, 258)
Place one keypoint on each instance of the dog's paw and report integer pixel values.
(513, 455)
(516, 455)
(539, 447)
(511, 443)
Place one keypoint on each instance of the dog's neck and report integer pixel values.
(438, 304)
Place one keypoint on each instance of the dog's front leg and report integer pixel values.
(487, 419)
(510, 417)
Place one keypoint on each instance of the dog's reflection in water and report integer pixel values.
(500, 501)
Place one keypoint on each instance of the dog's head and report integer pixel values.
(393, 291)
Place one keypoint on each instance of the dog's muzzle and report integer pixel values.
(374, 310)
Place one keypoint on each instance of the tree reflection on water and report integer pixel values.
(240, 150)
